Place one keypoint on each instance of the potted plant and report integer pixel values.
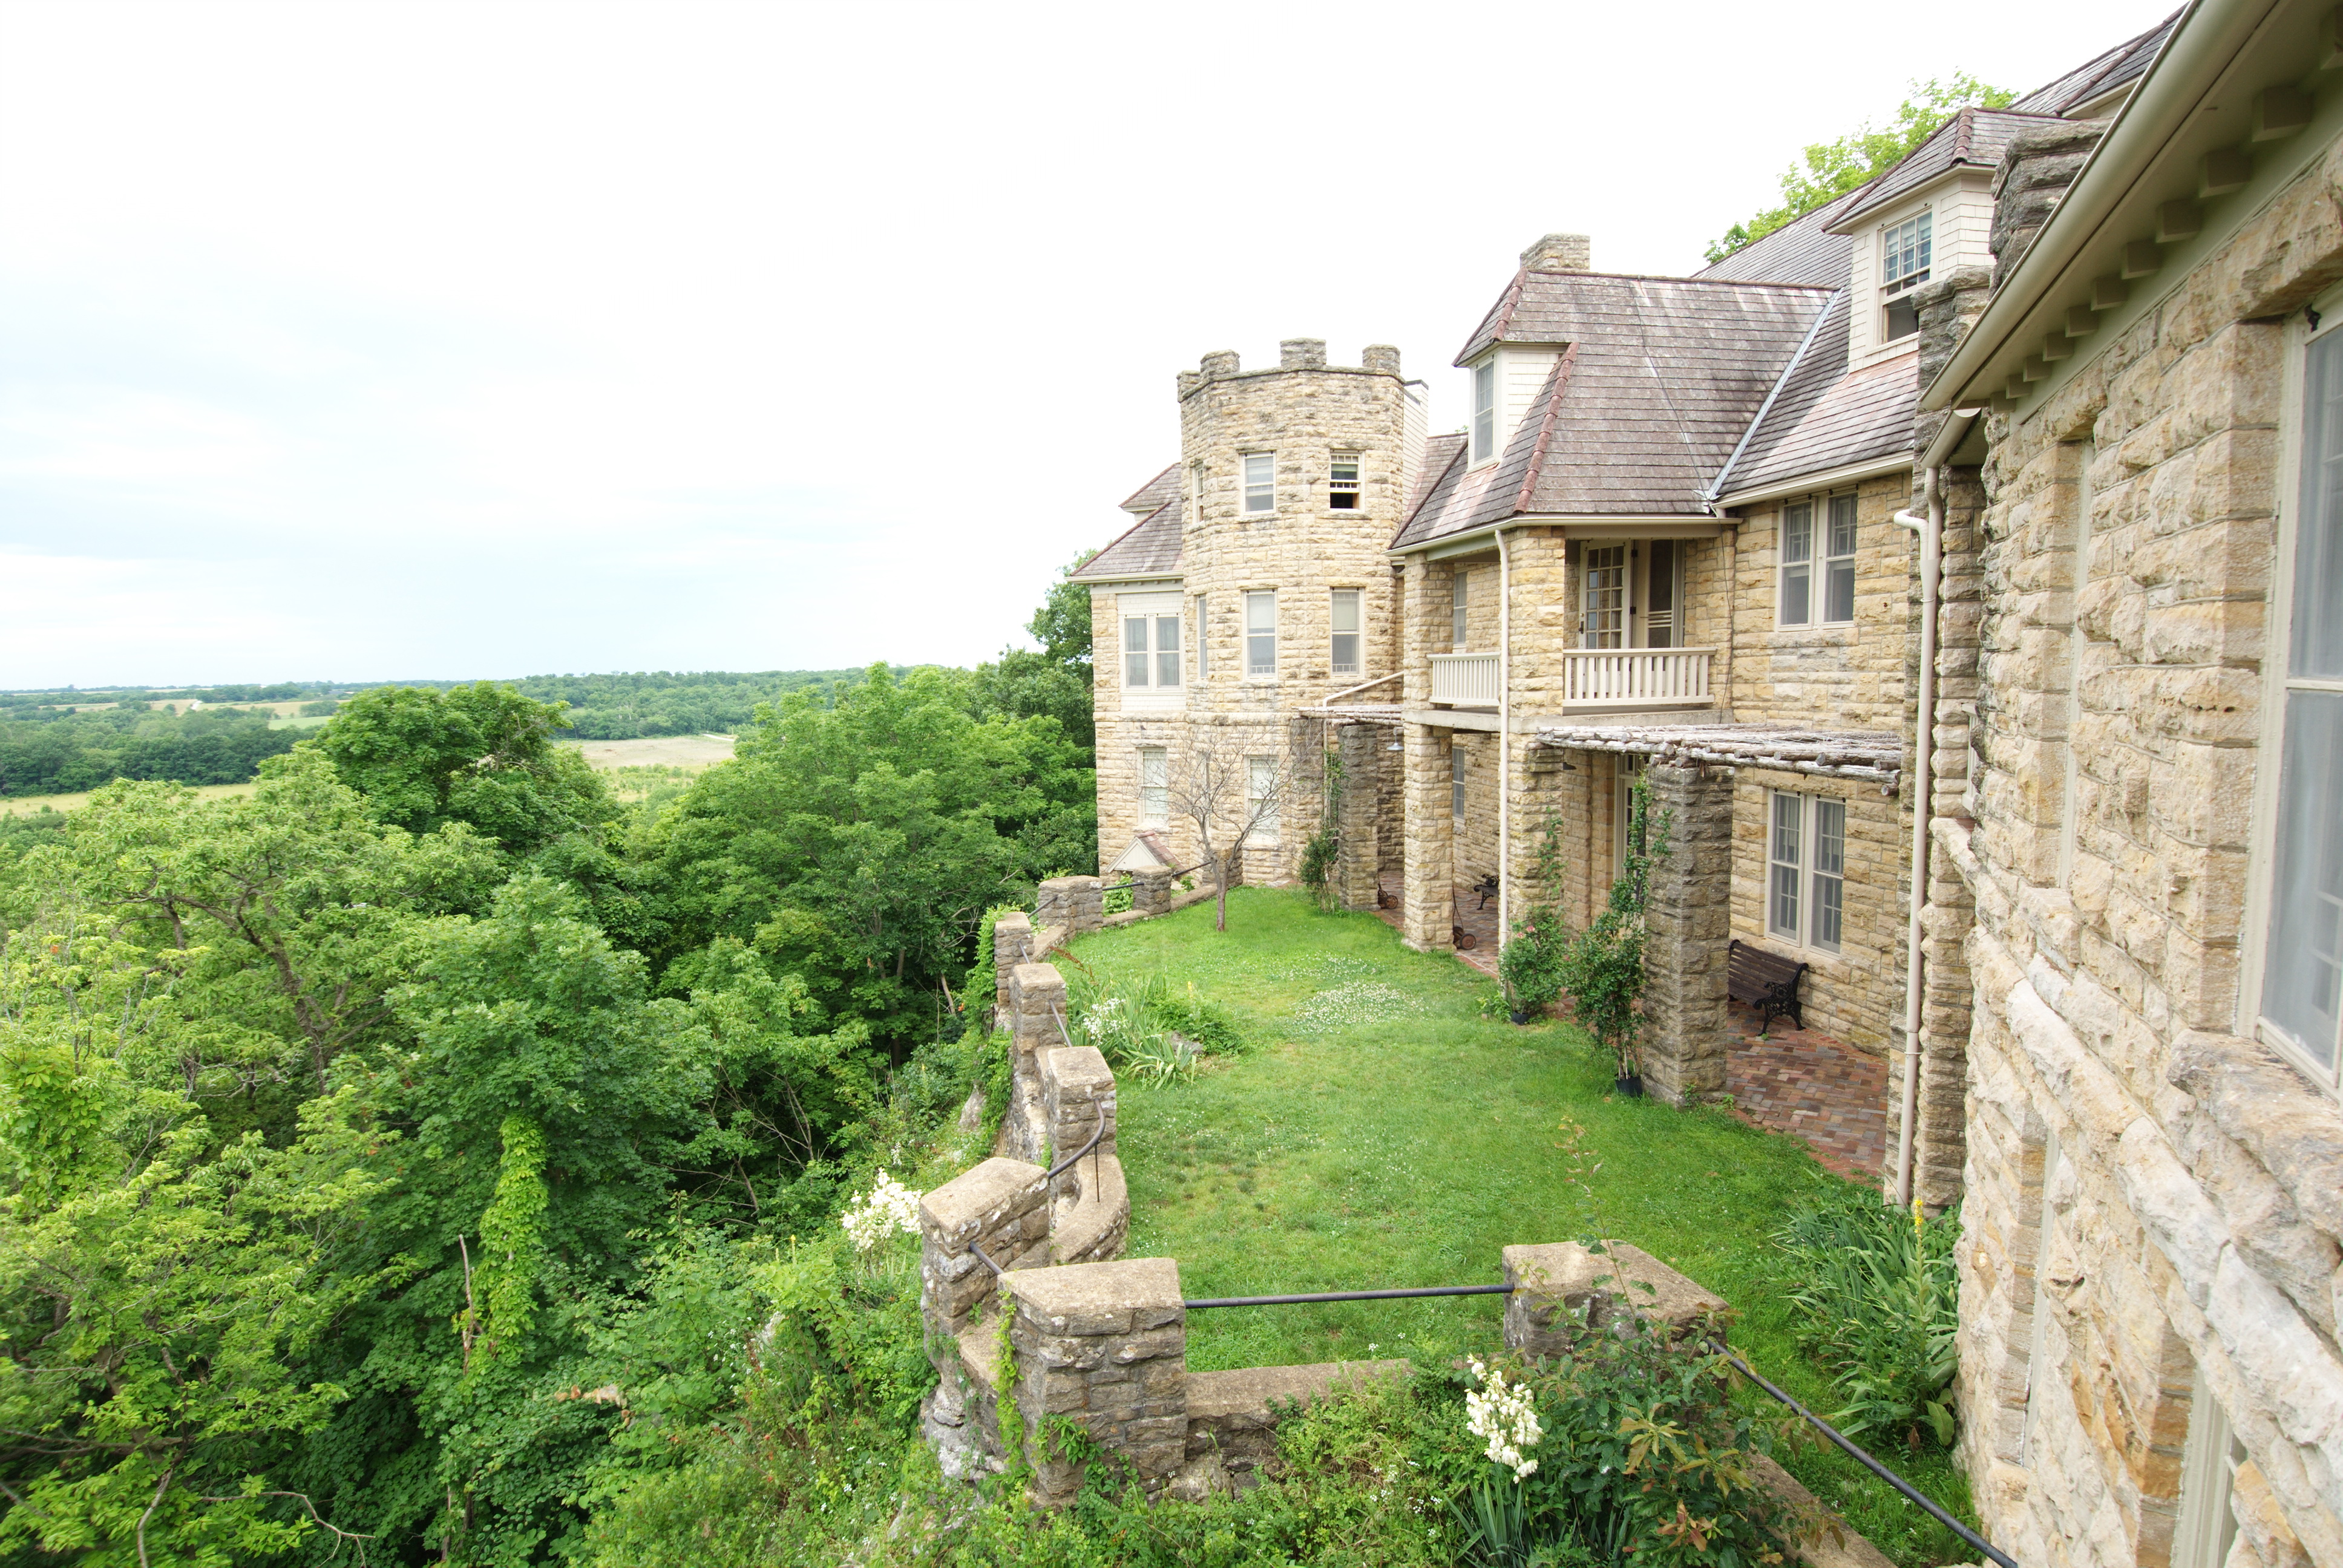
(1603, 970)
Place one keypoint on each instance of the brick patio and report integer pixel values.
(1468, 913)
(1812, 1087)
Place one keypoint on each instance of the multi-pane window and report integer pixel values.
(1344, 619)
(1261, 634)
(1484, 411)
(1903, 267)
(1261, 798)
(1456, 627)
(1154, 787)
(1827, 552)
(1903, 254)
(1203, 642)
(1261, 481)
(1150, 648)
(1195, 492)
(1342, 482)
(2302, 963)
(1806, 882)
(1456, 782)
(1603, 622)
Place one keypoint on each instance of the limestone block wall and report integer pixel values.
(1103, 1346)
(1856, 994)
(1846, 676)
(1687, 922)
(2184, 1245)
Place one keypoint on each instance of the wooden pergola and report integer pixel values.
(1874, 756)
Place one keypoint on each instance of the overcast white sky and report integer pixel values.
(351, 341)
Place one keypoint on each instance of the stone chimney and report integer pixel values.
(1302, 354)
(2036, 167)
(1560, 253)
(1380, 357)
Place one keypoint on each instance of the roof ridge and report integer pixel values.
(1558, 378)
(1168, 468)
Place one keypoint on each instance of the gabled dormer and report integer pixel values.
(1510, 354)
(1929, 215)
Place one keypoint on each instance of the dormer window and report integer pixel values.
(1484, 411)
(1260, 482)
(1342, 482)
(1903, 253)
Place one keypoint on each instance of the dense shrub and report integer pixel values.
(1881, 1307)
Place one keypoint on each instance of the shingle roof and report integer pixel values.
(1974, 137)
(1660, 378)
(1826, 418)
(1162, 488)
(2099, 76)
(1805, 251)
(1440, 453)
(1148, 547)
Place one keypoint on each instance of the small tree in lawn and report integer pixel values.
(1230, 793)
(1603, 968)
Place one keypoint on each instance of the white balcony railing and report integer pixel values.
(1468, 679)
(1632, 676)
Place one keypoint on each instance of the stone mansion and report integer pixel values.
(1963, 566)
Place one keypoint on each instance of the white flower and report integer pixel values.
(1506, 1415)
(889, 1207)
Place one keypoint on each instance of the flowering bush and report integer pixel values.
(1506, 1414)
(886, 1209)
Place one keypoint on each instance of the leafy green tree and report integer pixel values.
(482, 755)
(158, 1282)
(859, 846)
(1828, 170)
(1056, 681)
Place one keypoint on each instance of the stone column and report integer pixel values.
(1012, 944)
(1150, 892)
(1002, 1206)
(1077, 1095)
(1687, 926)
(1428, 911)
(1077, 903)
(1360, 748)
(1037, 1000)
(1104, 1346)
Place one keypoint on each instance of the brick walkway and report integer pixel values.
(1812, 1087)
(1481, 923)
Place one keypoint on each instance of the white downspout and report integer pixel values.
(1504, 743)
(1931, 530)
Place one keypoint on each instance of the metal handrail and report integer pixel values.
(1070, 1161)
(1348, 1296)
(1877, 1469)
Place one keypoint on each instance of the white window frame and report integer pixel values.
(1257, 601)
(1155, 657)
(2209, 1456)
(1456, 781)
(1484, 412)
(1355, 601)
(2278, 684)
(1460, 625)
(1812, 873)
(1337, 485)
(1203, 640)
(1154, 787)
(1261, 772)
(1895, 296)
(1824, 565)
(1250, 489)
(1195, 492)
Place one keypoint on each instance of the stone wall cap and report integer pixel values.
(1071, 884)
(1077, 1067)
(1086, 1290)
(976, 1191)
(1254, 1392)
(1037, 974)
(1566, 1270)
(1015, 919)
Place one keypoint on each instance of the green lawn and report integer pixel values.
(1381, 1133)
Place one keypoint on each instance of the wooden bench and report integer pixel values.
(1764, 980)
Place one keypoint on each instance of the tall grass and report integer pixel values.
(1881, 1308)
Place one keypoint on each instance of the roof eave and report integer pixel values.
(1818, 480)
(2202, 47)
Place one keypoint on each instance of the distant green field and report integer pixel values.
(28, 805)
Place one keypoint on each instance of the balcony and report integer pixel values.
(1464, 680)
(1635, 678)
